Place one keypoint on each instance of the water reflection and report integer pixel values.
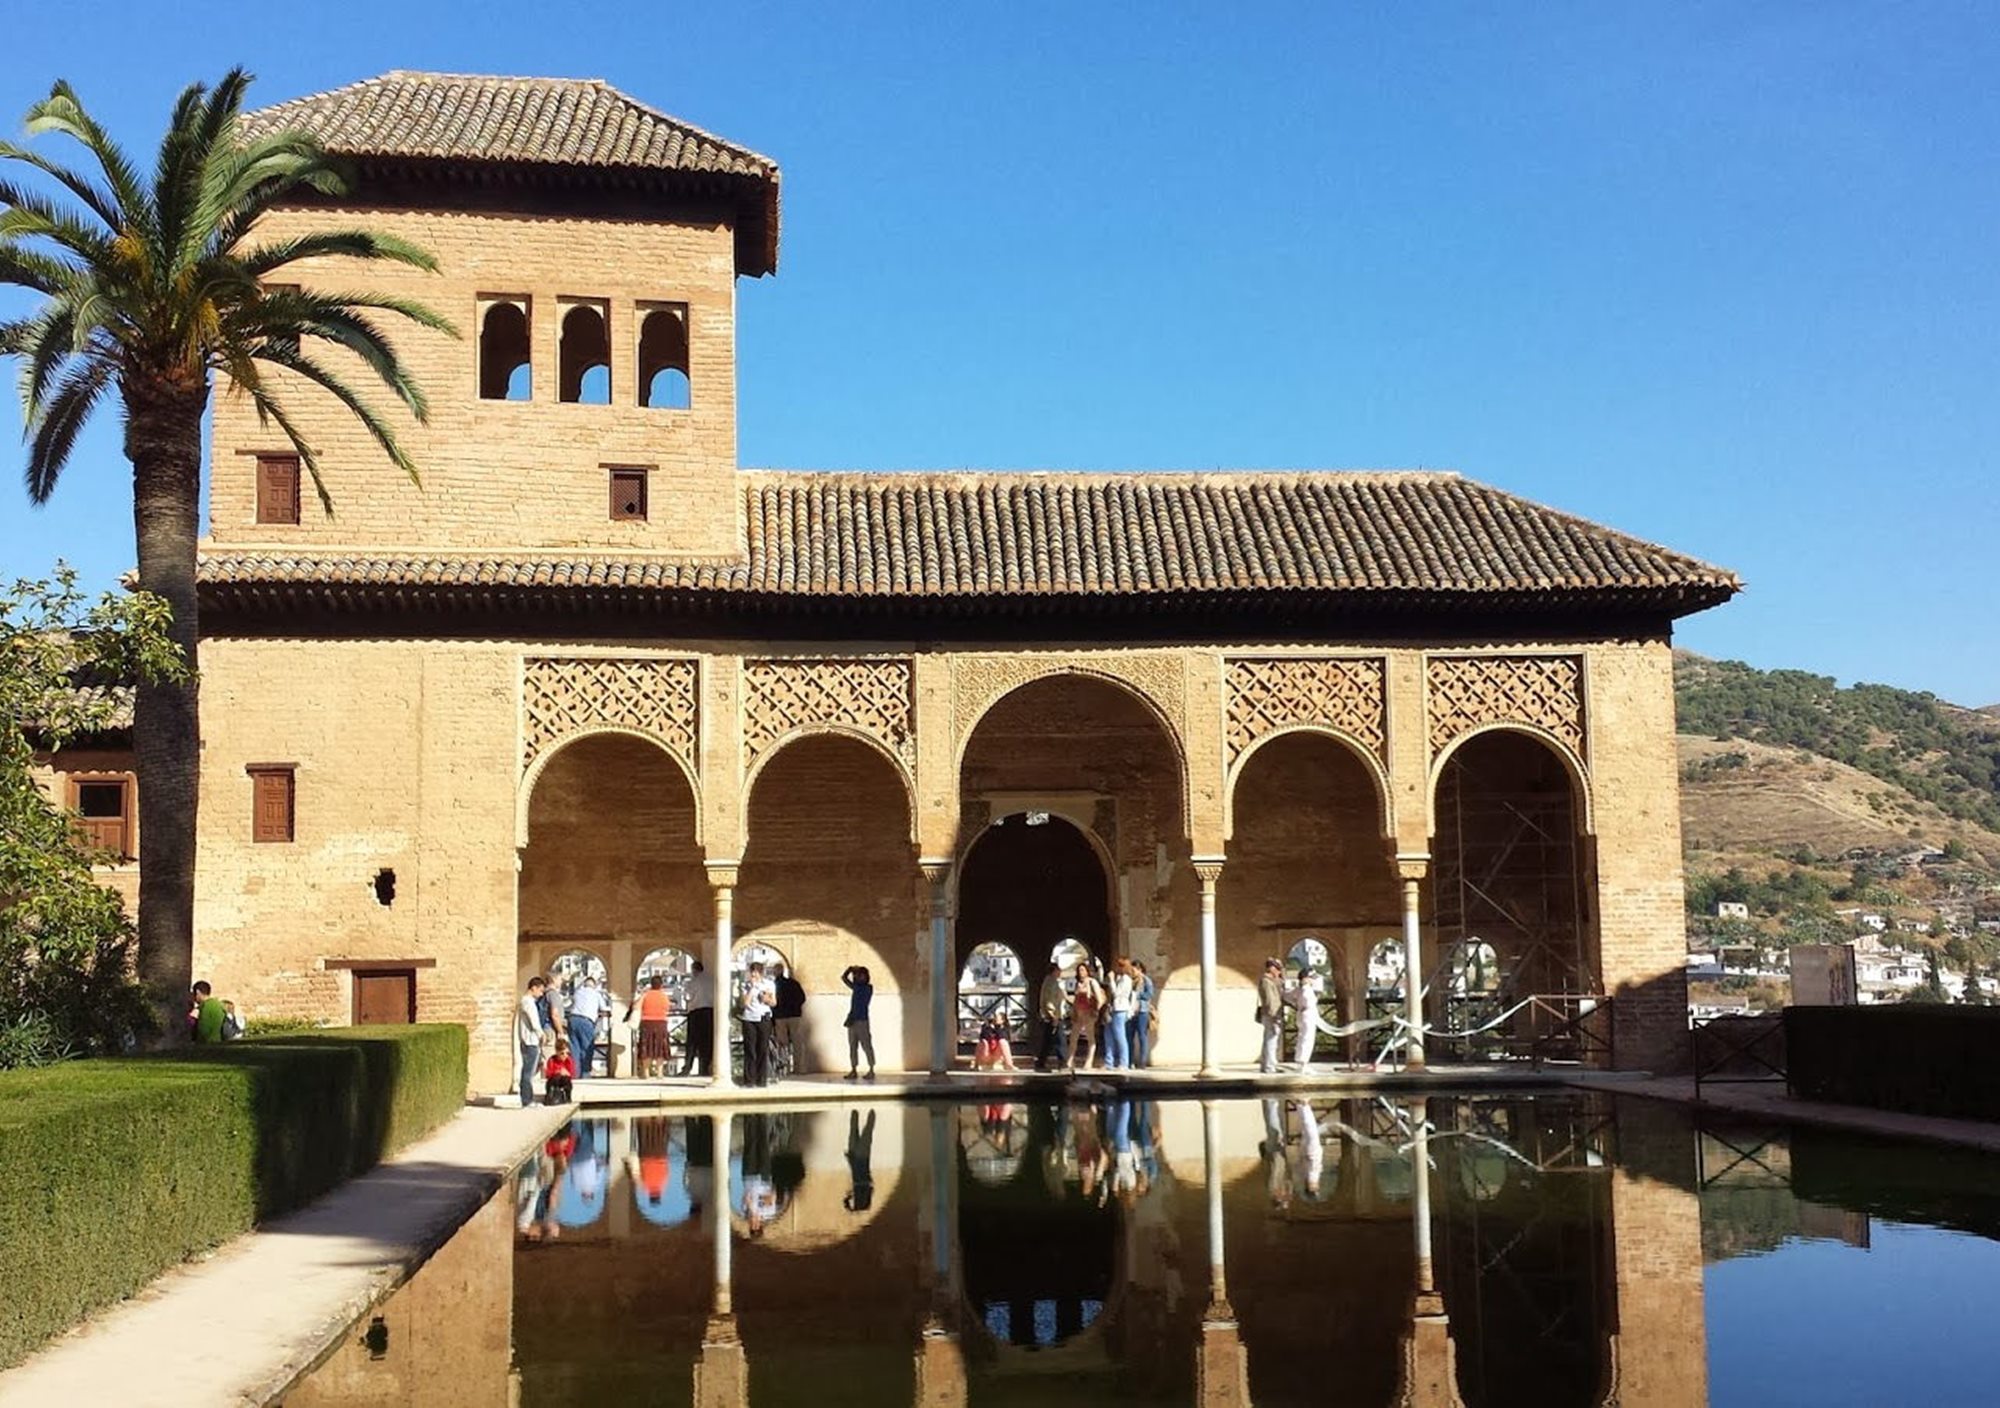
(1440, 1251)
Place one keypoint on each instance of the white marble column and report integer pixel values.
(1411, 868)
(1211, 1166)
(944, 975)
(1208, 870)
(718, 1203)
(722, 878)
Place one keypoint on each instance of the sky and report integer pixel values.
(1723, 276)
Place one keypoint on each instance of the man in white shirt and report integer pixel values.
(586, 1012)
(528, 1031)
(700, 992)
(760, 995)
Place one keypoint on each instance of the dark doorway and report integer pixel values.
(385, 997)
(1032, 881)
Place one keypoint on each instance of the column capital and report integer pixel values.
(722, 873)
(1413, 865)
(1208, 869)
(936, 869)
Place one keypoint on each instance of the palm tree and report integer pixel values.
(148, 287)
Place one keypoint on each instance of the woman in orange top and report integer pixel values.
(655, 1047)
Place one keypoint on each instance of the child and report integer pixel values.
(559, 1072)
(994, 1052)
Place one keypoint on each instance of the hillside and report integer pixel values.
(1938, 753)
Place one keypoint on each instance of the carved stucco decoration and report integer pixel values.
(565, 696)
(1343, 694)
(981, 681)
(1466, 692)
(875, 697)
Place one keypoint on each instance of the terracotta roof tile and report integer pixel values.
(965, 536)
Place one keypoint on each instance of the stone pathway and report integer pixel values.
(1769, 1101)
(240, 1325)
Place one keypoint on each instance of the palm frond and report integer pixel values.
(46, 346)
(102, 204)
(26, 215)
(63, 112)
(271, 411)
(52, 435)
(347, 244)
(327, 381)
(32, 269)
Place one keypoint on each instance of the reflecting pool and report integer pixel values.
(1475, 1251)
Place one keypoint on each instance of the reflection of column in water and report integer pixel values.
(1433, 1375)
(722, 1369)
(1222, 1365)
(719, 1209)
(941, 1381)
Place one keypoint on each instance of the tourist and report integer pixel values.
(1053, 1007)
(788, 1013)
(206, 1014)
(654, 1007)
(994, 1052)
(1086, 1004)
(1270, 1013)
(558, 1075)
(760, 996)
(1305, 1000)
(760, 1193)
(700, 1031)
(528, 1032)
(1128, 1179)
(585, 1013)
(1312, 1163)
(1144, 1019)
(860, 1041)
(1277, 1161)
(1124, 1005)
(860, 1149)
(650, 1166)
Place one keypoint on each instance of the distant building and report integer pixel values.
(1732, 909)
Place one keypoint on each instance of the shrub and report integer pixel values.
(120, 1169)
(1928, 1059)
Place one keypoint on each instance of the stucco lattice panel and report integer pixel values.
(1345, 695)
(873, 696)
(1472, 691)
(565, 697)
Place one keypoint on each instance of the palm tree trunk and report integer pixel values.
(163, 441)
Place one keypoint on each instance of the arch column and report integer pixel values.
(722, 1368)
(722, 880)
(1430, 1377)
(1411, 867)
(1208, 870)
(1222, 1367)
(944, 978)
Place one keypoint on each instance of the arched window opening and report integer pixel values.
(674, 967)
(992, 983)
(663, 356)
(1067, 954)
(583, 364)
(504, 371)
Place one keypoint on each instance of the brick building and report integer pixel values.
(594, 689)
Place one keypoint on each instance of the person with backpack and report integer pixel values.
(788, 1013)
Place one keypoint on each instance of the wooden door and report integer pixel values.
(385, 997)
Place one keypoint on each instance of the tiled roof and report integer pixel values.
(965, 538)
(573, 123)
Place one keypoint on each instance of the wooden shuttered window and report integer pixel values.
(277, 488)
(103, 809)
(628, 495)
(272, 796)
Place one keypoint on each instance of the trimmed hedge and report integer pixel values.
(1925, 1058)
(117, 1170)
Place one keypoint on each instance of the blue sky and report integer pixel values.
(1723, 276)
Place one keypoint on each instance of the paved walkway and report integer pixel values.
(1768, 1101)
(817, 1088)
(238, 1326)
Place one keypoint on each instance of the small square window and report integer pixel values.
(273, 788)
(103, 816)
(628, 495)
(277, 488)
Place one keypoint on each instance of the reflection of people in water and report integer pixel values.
(761, 1205)
(1128, 1179)
(1277, 1169)
(541, 1185)
(590, 1162)
(1092, 1161)
(1312, 1153)
(698, 1168)
(652, 1165)
(860, 1148)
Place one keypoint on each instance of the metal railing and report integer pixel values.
(976, 1005)
(1735, 1050)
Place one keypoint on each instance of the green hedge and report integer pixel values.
(1926, 1058)
(117, 1170)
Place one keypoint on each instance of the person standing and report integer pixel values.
(789, 1013)
(1270, 1013)
(654, 1007)
(1142, 1021)
(1086, 1004)
(1118, 1024)
(1053, 1007)
(760, 996)
(700, 1031)
(528, 1033)
(861, 992)
(1305, 998)
(586, 1014)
